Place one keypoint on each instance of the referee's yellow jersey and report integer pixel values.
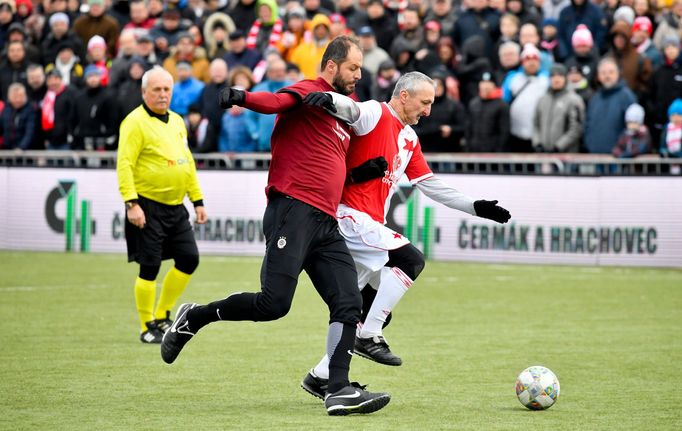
(154, 159)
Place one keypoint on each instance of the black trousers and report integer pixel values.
(167, 234)
(301, 237)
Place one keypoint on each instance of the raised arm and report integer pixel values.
(261, 102)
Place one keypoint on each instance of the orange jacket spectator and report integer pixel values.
(185, 50)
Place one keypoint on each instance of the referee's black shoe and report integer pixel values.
(376, 349)
(152, 335)
(177, 335)
(164, 324)
(351, 399)
(315, 386)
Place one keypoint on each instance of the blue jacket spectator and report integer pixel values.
(606, 110)
(234, 135)
(580, 12)
(260, 125)
(186, 90)
(18, 123)
(479, 20)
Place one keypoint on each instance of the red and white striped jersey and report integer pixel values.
(379, 132)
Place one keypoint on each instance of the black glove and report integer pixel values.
(492, 211)
(321, 99)
(371, 169)
(229, 96)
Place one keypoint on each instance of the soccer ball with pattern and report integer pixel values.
(537, 388)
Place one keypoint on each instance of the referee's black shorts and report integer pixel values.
(167, 234)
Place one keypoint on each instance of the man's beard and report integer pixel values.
(342, 87)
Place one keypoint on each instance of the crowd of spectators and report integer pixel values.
(596, 76)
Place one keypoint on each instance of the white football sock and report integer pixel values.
(321, 370)
(394, 283)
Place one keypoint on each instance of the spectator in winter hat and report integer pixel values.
(585, 56)
(58, 34)
(549, 41)
(635, 68)
(308, 54)
(7, 9)
(431, 34)
(635, 139)
(669, 24)
(523, 92)
(266, 31)
(624, 13)
(372, 55)
(338, 26)
(490, 132)
(97, 56)
(666, 85)
(294, 34)
(578, 83)
(529, 33)
(671, 139)
(642, 29)
(95, 117)
(559, 116)
(96, 22)
(17, 32)
(239, 54)
(580, 12)
(387, 76)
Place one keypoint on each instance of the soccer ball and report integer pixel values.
(537, 388)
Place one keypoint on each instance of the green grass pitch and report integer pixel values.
(71, 360)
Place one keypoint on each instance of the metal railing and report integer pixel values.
(461, 163)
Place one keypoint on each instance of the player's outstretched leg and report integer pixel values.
(352, 399)
(178, 335)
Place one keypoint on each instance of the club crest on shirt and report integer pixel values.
(391, 177)
(282, 242)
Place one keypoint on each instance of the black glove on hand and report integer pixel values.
(321, 99)
(492, 211)
(371, 169)
(228, 97)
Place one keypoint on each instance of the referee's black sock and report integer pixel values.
(340, 343)
(238, 306)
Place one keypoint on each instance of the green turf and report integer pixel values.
(71, 359)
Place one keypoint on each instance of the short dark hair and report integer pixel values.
(337, 50)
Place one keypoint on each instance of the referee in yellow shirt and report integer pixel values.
(155, 171)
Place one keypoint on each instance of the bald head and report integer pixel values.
(218, 71)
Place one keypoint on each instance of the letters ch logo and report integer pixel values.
(282, 242)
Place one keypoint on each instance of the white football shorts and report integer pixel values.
(369, 243)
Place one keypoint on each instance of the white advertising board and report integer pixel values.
(574, 220)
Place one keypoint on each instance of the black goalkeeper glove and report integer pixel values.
(320, 99)
(371, 169)
(492, 211)
(229, 96)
